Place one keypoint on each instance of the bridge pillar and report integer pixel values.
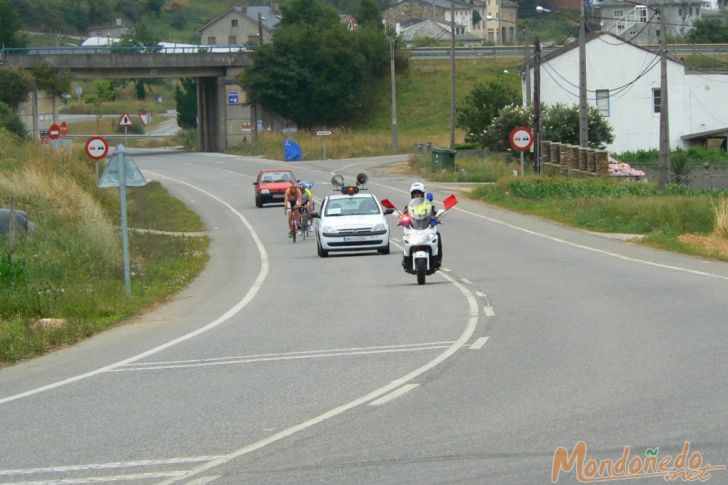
(211, 114)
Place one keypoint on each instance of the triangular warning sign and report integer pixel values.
(110, 177)
(125, 120)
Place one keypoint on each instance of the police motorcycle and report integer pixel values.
(420, 238)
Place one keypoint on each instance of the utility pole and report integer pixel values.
(664, 177)
(260, 29)
(583, 112)
(452, 75)
(537, 103)
(395, 134)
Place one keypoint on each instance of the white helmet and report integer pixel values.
(419, 187)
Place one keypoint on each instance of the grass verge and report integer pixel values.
(70, 269)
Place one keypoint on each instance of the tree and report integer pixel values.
(315, 71)
(15, 88)
(497, 135)
(561, 123)
(10, 121)
(10, 25)
(482, 105)
(369, 15)
(709, 31)
(185, 95)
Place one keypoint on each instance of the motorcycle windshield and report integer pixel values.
(422, 222)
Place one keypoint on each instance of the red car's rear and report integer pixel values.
(271, 185)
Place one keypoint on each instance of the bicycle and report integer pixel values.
(294, 223)
(303, 222)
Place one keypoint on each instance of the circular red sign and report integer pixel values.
(97, 147)
(54, 132)
(521, 138)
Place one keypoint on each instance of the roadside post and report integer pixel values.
(324, 133)
(521, 140)
(122, 172)
(146, 118)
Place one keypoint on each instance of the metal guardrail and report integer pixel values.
(165, 49)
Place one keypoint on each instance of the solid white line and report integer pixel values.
(488, 310)
(478, 344)
(109, 466)
(252, 292)
(595, 250)
(393, 395)
(204, 480)
(377, 393)
(106, 479)
(142, 367)
(333, 172)
(300, 352)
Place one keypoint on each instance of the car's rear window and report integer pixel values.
(276, 177)
(352, 206)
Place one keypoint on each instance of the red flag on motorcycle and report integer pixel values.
(450, 201)
(387, 203)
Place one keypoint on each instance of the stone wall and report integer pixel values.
(572, 160)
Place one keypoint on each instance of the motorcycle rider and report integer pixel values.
(421, 206)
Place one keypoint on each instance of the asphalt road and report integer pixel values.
(277, 366)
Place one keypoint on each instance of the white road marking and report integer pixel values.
(576, 245)
(488, 310)
(466, 281)
(333, 172)
(109, 466)
(249, 296)
(478, 344)
(480, 294)
(106, 479)
(204, 480)
(239, 360)
(465, 336)
(393, 395)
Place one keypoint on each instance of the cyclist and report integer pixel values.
(291, 204)
(307, 201)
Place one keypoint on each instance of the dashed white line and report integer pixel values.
(480, 294)
(393, 395)
(109, 466)
(466, 281)
(488, 310)
(478, 344)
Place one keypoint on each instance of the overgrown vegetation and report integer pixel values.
(70, 268)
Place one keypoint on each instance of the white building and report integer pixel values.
(623, 82)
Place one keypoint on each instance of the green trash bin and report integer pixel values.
(443, 159)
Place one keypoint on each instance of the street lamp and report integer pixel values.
(583, 110)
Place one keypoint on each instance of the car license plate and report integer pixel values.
(356, 238)
(277, 196)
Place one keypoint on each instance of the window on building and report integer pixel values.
(643, 15)
(234, 22)
(253, 39)
(620, 27)
(618, 13)
(656, 100)
(657, 32)
(211, 40)
(603, 102)
(232, 40)
(679, 12)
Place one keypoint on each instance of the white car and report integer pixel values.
(351, 223)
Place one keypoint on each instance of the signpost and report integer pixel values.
(521, 140)
(323, 143)
(233, 97)
(54, 131)
(125, 121)
(122, 172)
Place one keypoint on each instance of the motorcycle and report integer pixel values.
(421, 240)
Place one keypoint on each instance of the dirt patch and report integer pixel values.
(399, 168)
(713, 243)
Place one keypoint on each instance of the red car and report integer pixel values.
(271, 185)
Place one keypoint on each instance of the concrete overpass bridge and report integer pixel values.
(221, 114)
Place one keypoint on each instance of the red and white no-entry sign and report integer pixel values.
(54, 131)
(97, 147)
(521, 138)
